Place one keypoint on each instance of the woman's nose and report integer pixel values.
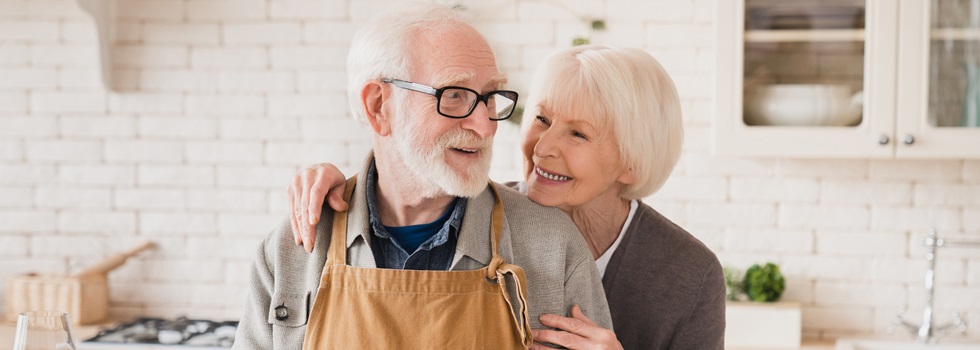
(546, 144)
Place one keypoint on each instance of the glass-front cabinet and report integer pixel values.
(848, 78)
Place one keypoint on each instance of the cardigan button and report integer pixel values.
(282, 313)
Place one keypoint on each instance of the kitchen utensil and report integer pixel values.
(803, 105)
(103, 267)
(84, 295)
(43, 330)
(85, 299)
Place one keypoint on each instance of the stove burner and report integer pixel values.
(202, 334)
(140, 338)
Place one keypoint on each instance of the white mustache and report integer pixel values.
(463, 139)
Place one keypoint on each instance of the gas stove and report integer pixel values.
(154, 333)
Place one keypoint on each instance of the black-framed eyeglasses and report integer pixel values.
(459, 102)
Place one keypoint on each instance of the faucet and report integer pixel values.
(926, 332)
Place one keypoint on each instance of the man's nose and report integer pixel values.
(479, 121)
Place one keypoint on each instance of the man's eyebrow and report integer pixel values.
(496, 81)
(454, 79)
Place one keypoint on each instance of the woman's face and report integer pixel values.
(570, 160)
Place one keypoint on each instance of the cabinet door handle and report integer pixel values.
(883, 139)
(909, 139)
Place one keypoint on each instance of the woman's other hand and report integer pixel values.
(306, 194)
(576, 332)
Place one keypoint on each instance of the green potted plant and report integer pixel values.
(764, 283)
(755, 318)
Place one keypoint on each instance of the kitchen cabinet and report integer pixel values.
(848, 78)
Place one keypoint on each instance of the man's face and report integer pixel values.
(445, 155)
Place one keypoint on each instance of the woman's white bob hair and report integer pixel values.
(627, 92)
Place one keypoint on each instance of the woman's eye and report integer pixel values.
(541, 120)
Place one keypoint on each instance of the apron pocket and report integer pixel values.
(289, 309)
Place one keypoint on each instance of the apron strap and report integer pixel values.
(337, 255)
(498, 269)
(520, 281)
(496, 226)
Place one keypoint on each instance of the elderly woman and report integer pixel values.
(602, 129)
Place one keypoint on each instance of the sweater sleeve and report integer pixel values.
(705, 326)
(583, 287)
(254, 330)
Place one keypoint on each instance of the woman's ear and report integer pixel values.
(626, 177)
(374, 95)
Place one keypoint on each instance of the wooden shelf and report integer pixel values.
(804, 35)
(103, 18)
(955, 34)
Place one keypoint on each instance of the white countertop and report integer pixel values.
(80, 333)
(88, 331)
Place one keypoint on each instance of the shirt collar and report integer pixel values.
(473, 232)
(447, 232)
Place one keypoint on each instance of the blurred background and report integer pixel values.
(184, 120)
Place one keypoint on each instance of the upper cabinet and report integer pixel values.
(848, 78)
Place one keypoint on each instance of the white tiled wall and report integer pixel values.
(220, 102)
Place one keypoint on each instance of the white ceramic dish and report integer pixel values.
(803, 105)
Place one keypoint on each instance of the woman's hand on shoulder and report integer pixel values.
(576, 332)
(306, 195)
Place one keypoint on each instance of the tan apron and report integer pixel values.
(368, 308)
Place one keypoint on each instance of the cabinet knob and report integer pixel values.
(883, 139)
(909, 139)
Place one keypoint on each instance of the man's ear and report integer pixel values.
(374, 96)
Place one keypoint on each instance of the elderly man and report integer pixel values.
(426, 84)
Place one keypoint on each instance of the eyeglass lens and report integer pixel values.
(461, 102)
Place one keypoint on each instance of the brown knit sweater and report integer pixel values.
(665, 289)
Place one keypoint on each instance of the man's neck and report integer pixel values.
(401, 202)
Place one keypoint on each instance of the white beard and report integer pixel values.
(429, 174)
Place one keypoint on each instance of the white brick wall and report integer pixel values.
(21, 78)
(225, 105)
(226, 10)
(67, 198)
(183, 33)
(220, 102)
(262, 33)
(29, 31)
(307, 9)
(150, 56)
(850, 294)
(97, 222)
(177, 128)
(28, 126)
(68, 102)
(150, 10)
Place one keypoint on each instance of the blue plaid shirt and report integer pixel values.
(434, 254)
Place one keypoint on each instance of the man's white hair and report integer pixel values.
(380, 49)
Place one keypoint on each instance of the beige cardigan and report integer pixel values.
(543, 241)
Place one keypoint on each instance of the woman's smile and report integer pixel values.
(550, 176)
